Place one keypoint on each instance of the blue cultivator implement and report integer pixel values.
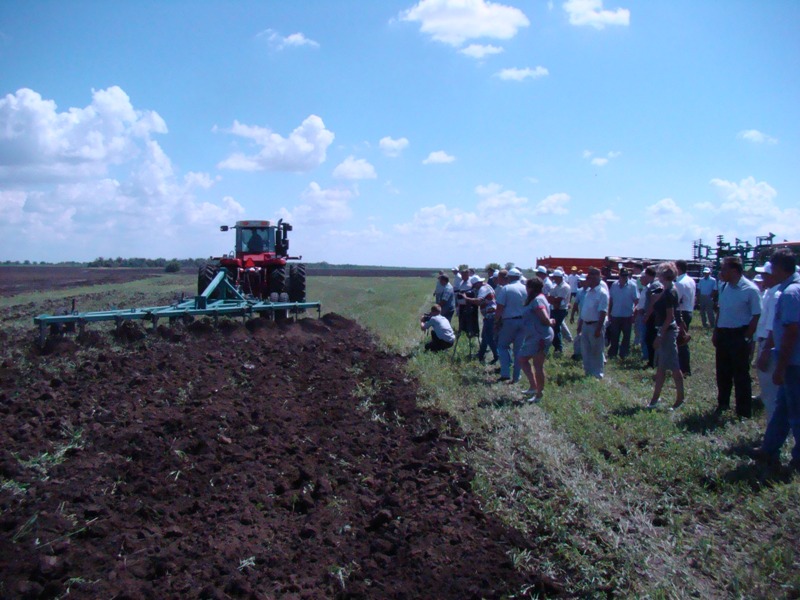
(254, 280)
(220, 299)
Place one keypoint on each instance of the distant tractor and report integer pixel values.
(253, 280)
(258, 266)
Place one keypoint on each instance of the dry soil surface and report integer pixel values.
(259, 461)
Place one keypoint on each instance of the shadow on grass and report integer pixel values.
(754, 474)
(631, 364)
(505, 401)
(630, 411)
(704, 422)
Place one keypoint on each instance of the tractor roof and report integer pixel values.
(253, 223)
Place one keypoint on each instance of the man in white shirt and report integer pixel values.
(686, 288)
(766, 358)
(510, 303)
(559, 297)
(573, 281)
(442, 336)
(541, 273)
(591, 324)
(485, 300)
(622, 299)
(706, 287)
(739, 312)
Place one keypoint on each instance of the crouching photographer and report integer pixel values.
(442, 335)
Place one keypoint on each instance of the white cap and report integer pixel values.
(541, 269)
(558, 273)
(767, 268)
(706, 271)
(758, 278)
(514, 272)
(476, 279)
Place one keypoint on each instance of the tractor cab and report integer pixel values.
(261, 237)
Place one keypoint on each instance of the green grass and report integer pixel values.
(390, 306)
(614, 498)
(645, 503)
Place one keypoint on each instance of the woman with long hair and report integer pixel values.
(538, 338)
(667, 319)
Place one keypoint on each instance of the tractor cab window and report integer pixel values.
(257, 240)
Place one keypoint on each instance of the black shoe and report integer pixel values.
(721, 409)
(494, 361)
(763, 457)
(499, 379)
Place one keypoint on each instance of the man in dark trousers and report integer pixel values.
(739, 311)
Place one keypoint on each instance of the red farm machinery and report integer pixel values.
(258, 266)
(255, 279)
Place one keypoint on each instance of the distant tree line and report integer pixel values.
(147, 263)
(35, 263)
(172, 265)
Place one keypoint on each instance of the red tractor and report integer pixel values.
(258, 266)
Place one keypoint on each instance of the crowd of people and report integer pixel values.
(648, 309)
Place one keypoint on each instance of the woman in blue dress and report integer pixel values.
(538, 328)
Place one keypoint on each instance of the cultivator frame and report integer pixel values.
(220, 298)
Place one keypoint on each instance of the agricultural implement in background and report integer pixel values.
(255, 279)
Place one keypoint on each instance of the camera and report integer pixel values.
(426, 317)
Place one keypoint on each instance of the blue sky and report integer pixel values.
(409, 133)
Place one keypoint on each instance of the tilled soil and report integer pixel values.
(273, 460)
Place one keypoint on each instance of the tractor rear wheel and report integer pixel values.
(205, 276)
(277, 285)
(297, 284)
(277, 280)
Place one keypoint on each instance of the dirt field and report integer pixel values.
(17, 280)
(273, 460)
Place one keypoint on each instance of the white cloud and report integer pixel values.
(749, 208)
(303, 150)
(279, 42)
(480, 51)
(57, 183)
(392, 147)
(500, 210)
(438, 157)
(495, 200)
(371, 234)
(515, 74)
(321, 206)
(606, 215)
(554, 204)
(666, 213)
(756, 137)
(455, 21)
(600, 161)
(199, 180)
(38, 143)
(353, 168)
(431, 219)
(591, 12)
